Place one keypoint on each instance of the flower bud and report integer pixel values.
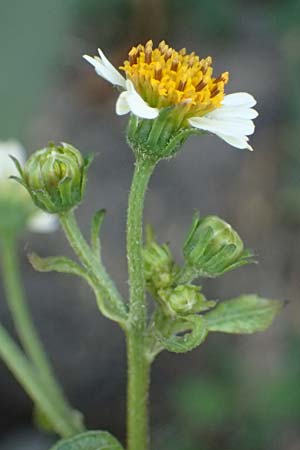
(55, 177)
(159, 266)
(212, 248)
(184, 300)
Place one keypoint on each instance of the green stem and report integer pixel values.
(26, 330)
(138, 365)
(102, 282)
(28, 377)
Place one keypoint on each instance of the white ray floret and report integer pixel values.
(41, 222)
(131, 101)
(105, 69)
(232, 122)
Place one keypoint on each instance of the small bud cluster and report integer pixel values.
(161, 273)
(211, 248)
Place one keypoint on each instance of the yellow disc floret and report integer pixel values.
(166, 77)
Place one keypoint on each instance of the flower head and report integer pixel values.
(16, 208)
(160, 78)
(55, 177)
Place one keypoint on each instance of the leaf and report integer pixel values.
(91, 440)
(245, 314)
(193, 328)
(95, 230)
(56, 264)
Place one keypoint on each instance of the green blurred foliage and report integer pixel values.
(31, 34)
(284, 19)
(203, 399)
(214, 20)
(221, 410)
(105, 21)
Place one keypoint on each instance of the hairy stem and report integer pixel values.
(138, 365)
(27, 332)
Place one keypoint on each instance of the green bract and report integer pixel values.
(159, 266)
(184, 300)
(212, 248)
(160, 138)
(55, 177)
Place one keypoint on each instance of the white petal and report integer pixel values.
(236, 141)
(94, 61)
(7, 149)
(121, 81)
(105, 69)
(233, 112)
(42, 222)
(239, 99)
(230, 127)
(122, 106)
(137, 105)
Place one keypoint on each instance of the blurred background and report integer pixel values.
(233, 392)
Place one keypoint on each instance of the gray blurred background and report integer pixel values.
(233, 392)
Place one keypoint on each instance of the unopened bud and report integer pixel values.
(159, 265)
(55, 177)
(184, 300)
(213, 247)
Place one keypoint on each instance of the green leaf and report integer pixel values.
(245, 314)
(91, 440)
(180, 335)
(95, 230)
(56, 264)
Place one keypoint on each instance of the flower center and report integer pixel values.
(166, 77)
